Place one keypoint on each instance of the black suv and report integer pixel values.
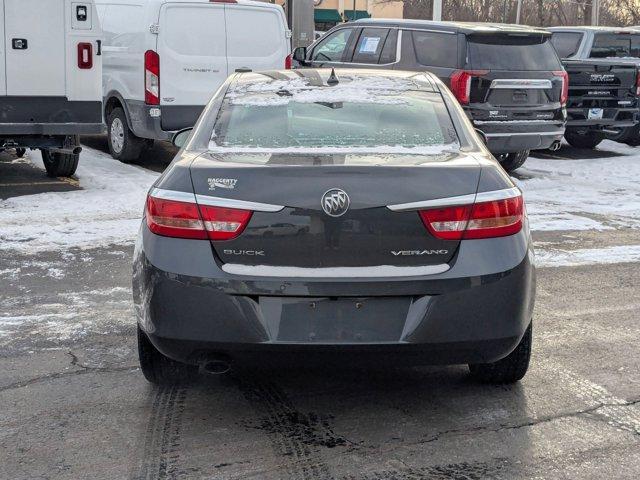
(507, 77)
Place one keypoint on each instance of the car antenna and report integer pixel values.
(333, 80)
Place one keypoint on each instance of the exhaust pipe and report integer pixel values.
(555, 146)
(66, 151)
(610, 131)
(215, 367)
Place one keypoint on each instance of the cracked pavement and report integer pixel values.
(74, 404)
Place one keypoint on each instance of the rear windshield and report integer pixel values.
(566, 43)
(358, 112)
(618, 45)
(510, 52)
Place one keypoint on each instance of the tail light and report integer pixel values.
(638, 83)
(495, 218)
(288, 62)
(151, 78)
(85, 56)
(461, 83)
(178, 219)
(564, 95)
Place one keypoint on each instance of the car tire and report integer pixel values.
(61, 164)
(160, 369)
(123, 144)
(20, 152)
(513, 161)
(631, 136)
(510, 369)
(583, 138)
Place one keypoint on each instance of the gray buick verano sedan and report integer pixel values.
(351, 217)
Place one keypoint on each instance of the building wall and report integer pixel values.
(374, 7)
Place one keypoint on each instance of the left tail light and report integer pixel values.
(288, 62)
(495, 218)
(151, 78)
(460, 83)
(85, 56)
(564, 93)
(178, 219)
(638, 83)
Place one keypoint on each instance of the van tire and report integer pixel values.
(512, 161)
(510, 369)
(583, 138)
(123, 144)
(61, 164)
(160, 369)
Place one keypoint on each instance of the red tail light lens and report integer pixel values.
(151, 78)
(171, 218)
(496, 218)
(288, 62)
(224, 223)
(638, 83)
(461, 84)
(564, 95)
(85, 56)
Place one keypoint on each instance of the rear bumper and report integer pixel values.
(49, 116)
(475, 312)
(617, 118)
(507, 137)
(162, 125)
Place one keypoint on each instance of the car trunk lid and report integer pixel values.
(291, 228)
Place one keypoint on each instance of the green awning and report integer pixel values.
(358, 14)
(327, 15)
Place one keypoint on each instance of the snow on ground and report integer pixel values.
(587, 256)
(578, 194)
(106, 211)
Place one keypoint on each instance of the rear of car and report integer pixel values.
(50, 78)
(604, 83)
(508, 78)
(276, 234)
(165, 58)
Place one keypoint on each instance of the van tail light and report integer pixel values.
(85, 56)
(495, 218)
(461, 83)
(179, 219)
(638, 83)
(151, 78)
(564, 93)
(288, 62)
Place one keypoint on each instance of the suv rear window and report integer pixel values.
(508, 52)
(618, 45)
(566, 43)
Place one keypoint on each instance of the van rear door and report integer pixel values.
(35, 48)
(256, 38)
(192, 46)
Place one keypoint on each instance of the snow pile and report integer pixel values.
(587, 256)
(585, 194)
(107, 211)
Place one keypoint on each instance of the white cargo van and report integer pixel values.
(50, 78)
(164, 59)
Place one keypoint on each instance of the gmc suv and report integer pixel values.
(508, 78)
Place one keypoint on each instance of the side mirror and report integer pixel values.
(180, 138)
(300, 55)
(482, 136)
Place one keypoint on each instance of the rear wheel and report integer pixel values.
(511, 368)
(61, 164)
(629, 135)
(160, 369)
(123, 144)
(512, 161)
(583, 138)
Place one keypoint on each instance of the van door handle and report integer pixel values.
(19, 43)
(99, 49)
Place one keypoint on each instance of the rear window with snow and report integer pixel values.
(358, 112)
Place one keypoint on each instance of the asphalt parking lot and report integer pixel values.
(74, 405)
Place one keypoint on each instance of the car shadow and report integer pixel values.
(156, 158)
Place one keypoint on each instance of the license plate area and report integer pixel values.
(327, 320)
(595, 114)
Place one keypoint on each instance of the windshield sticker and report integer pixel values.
(370, 45)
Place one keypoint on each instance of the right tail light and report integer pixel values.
(495, 218)
(564, 93)
(151, 78)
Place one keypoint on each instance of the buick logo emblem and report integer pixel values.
(335, 202)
